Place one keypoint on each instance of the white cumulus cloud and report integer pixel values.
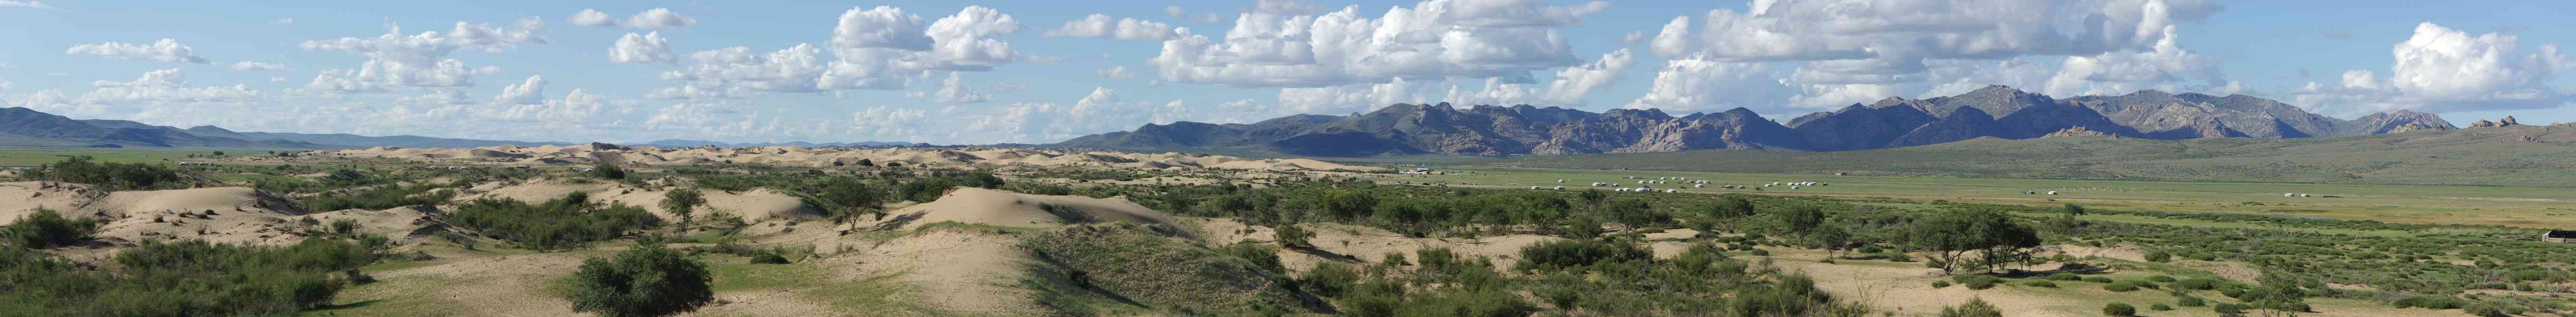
(644, 48)
(165, 50)
(1102, 26)
(2440, 69)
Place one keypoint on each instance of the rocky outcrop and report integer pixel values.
(2076, 131)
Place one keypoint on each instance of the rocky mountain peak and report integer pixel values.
(2076, 131)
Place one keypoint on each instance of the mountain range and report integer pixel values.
(20, 126)
(1993, 111)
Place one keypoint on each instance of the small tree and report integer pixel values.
(1954, 236)
(851, 197)
(647, 280)
(683, 202)
(1291, 236)
(1830, 236)
(1731, 209)
(1802, 219)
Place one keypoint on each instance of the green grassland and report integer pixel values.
(2540, 207)
(10, 156)
(2513, 156)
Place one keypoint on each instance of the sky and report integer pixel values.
(1011, 71)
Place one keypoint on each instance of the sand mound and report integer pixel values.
(220, 215)
(597, 153)
(1002, 208)
(957, 271)
(20, 199)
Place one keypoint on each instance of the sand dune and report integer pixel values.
(599, 153)
(219, 214)
(20, 199)
(980, 206)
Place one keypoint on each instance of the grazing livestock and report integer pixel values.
(2052, 192)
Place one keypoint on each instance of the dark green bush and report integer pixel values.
(2195, 284)
(191, 278)
(377, 198)
(1261, 255)
(2158, 256)
(1975, 307)
(647, 280)
(2097, 279)
(1548, 256)
(2121, 286)
(46, 229)
(1940, 284)
(113, 176)
(557, 224)
(2190, 301)
(2065, 277)
(1330, 279)
(2159, 307)
(1976, 281)
(2039, 283)
(2161, 279)
(2119, 309)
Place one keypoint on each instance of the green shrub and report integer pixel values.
(1940, 284)
(1261, 255)
(2097, 279)
(2190, 301)
(1291, 236)
(1547, 256)
(1330, 279)
(2228, 308)
(2039, 283)
(2119, 309)
(1976, 281)
(2121, 286)
(113, 176)
(2065, 277)
(557, 224)
(2159, 307)
(2195, 284)
(769, 258)
(647, 280)
(2158, 256)
(1975, 307)
(608, 171)
(190, 278)
(2488, 309)
(1760, 252)
(2430, 302)
(377, 198)
(2161, 279)
(46, 229)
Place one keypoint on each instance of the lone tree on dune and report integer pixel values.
(645, 281)
(683, 202)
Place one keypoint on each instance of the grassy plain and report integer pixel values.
(2537, 207)
(11, 156)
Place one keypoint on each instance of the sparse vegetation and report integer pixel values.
(560, 223)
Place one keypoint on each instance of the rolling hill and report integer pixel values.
(24, 127)
(1994, 111)
(2504, 156)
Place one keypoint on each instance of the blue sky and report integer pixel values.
(1039, 71)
